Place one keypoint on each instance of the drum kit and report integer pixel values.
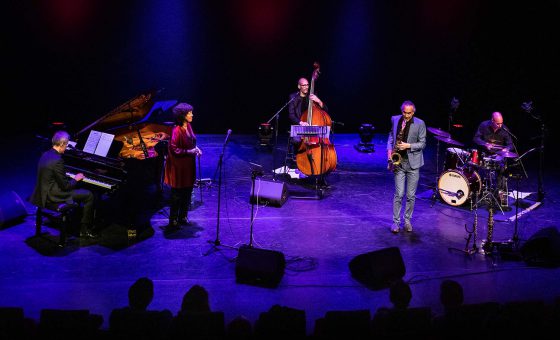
(469, 174)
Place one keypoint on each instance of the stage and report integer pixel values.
(318, 237)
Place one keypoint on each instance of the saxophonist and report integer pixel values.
(406, 141)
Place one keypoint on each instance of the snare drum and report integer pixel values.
(456, 158)
(493, 162)
(456, 186)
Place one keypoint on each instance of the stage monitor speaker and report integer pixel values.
(378, 269)
(542, 249)
(12, 208)
(268, 192)
(259, 267)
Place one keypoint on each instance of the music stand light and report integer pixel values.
(366, 133)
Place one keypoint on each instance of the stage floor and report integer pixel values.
(318, 238)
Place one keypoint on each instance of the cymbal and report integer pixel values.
(508, 154)
(439, 132)
(448, 140)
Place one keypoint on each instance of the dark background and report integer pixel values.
(236, 62)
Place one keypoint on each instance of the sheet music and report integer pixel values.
(310, 131)
(98, 143)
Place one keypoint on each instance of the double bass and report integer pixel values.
(316, 155)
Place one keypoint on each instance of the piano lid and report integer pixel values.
(137, 110)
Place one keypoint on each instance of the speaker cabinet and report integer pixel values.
(268, 192)
(378, 269)
(542, 249)
(12, 208)
(259, 267)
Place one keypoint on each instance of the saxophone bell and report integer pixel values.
(396, 159)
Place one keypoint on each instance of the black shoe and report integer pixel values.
(184, 221)
(88, 235)
(172, 226)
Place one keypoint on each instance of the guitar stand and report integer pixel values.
(471, 234)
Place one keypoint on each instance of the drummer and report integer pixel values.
(493, 135)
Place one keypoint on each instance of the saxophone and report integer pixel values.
(396, 157)
(488, 244)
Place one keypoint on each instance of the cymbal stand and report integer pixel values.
(435, 193)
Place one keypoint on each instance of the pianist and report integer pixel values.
(54, 187)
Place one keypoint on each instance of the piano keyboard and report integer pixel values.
(92, 181)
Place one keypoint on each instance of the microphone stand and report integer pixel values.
(528, 107)
(216, 242)
(277, 116)
(515, 149)
(540, 195)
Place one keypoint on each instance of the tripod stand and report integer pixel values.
(435, 193)
(217, 242)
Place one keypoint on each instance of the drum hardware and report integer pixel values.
(441, 133)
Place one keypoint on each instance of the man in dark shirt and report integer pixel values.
(493, 136)
(54, 187)
(300, 102)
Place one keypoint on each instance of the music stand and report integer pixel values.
(321, 132)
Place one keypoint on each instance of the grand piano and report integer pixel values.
(130, 174)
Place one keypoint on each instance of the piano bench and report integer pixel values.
(56, 212)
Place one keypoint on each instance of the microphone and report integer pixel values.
(227, 136)
(460, 194)
(338, 123)
(507, 130)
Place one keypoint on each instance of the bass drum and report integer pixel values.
(456, 186)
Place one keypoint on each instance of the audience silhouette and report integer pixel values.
(135, 321)
(195, 320)
(401, 320)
